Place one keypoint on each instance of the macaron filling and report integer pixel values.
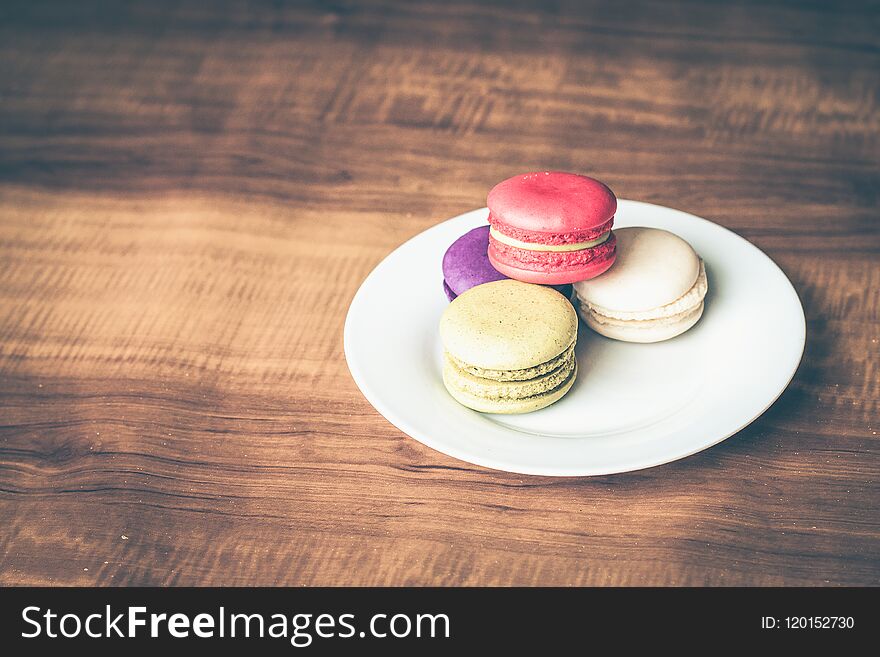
(514, 375)
(466, 382)
(679, 308)
(522, 405)
(562, 248)
(557, 260)
(668, 320)
(549, 238)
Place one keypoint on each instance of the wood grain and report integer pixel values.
(189, 198)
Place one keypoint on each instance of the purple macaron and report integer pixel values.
(466, 265)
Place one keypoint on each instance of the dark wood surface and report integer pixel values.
(189, 199)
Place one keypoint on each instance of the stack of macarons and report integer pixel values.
(509, 339)
(509, 347)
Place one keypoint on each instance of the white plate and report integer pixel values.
(632, 406)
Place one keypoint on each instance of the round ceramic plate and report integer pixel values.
(632, 406)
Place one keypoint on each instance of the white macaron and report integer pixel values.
(653, 292)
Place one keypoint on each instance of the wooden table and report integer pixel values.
(189, 199)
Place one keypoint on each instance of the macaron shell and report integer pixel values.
(465, 263)
(508, 325)
(552, 202)
(653, 268)
(511, 406)
(448, 291)
(642, 331)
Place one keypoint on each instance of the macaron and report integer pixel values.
(654, 291)
(466, 264)
(509, 347)
(551, 227)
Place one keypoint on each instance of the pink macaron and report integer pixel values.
(551, 227)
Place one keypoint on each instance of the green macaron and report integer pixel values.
(509, 347)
